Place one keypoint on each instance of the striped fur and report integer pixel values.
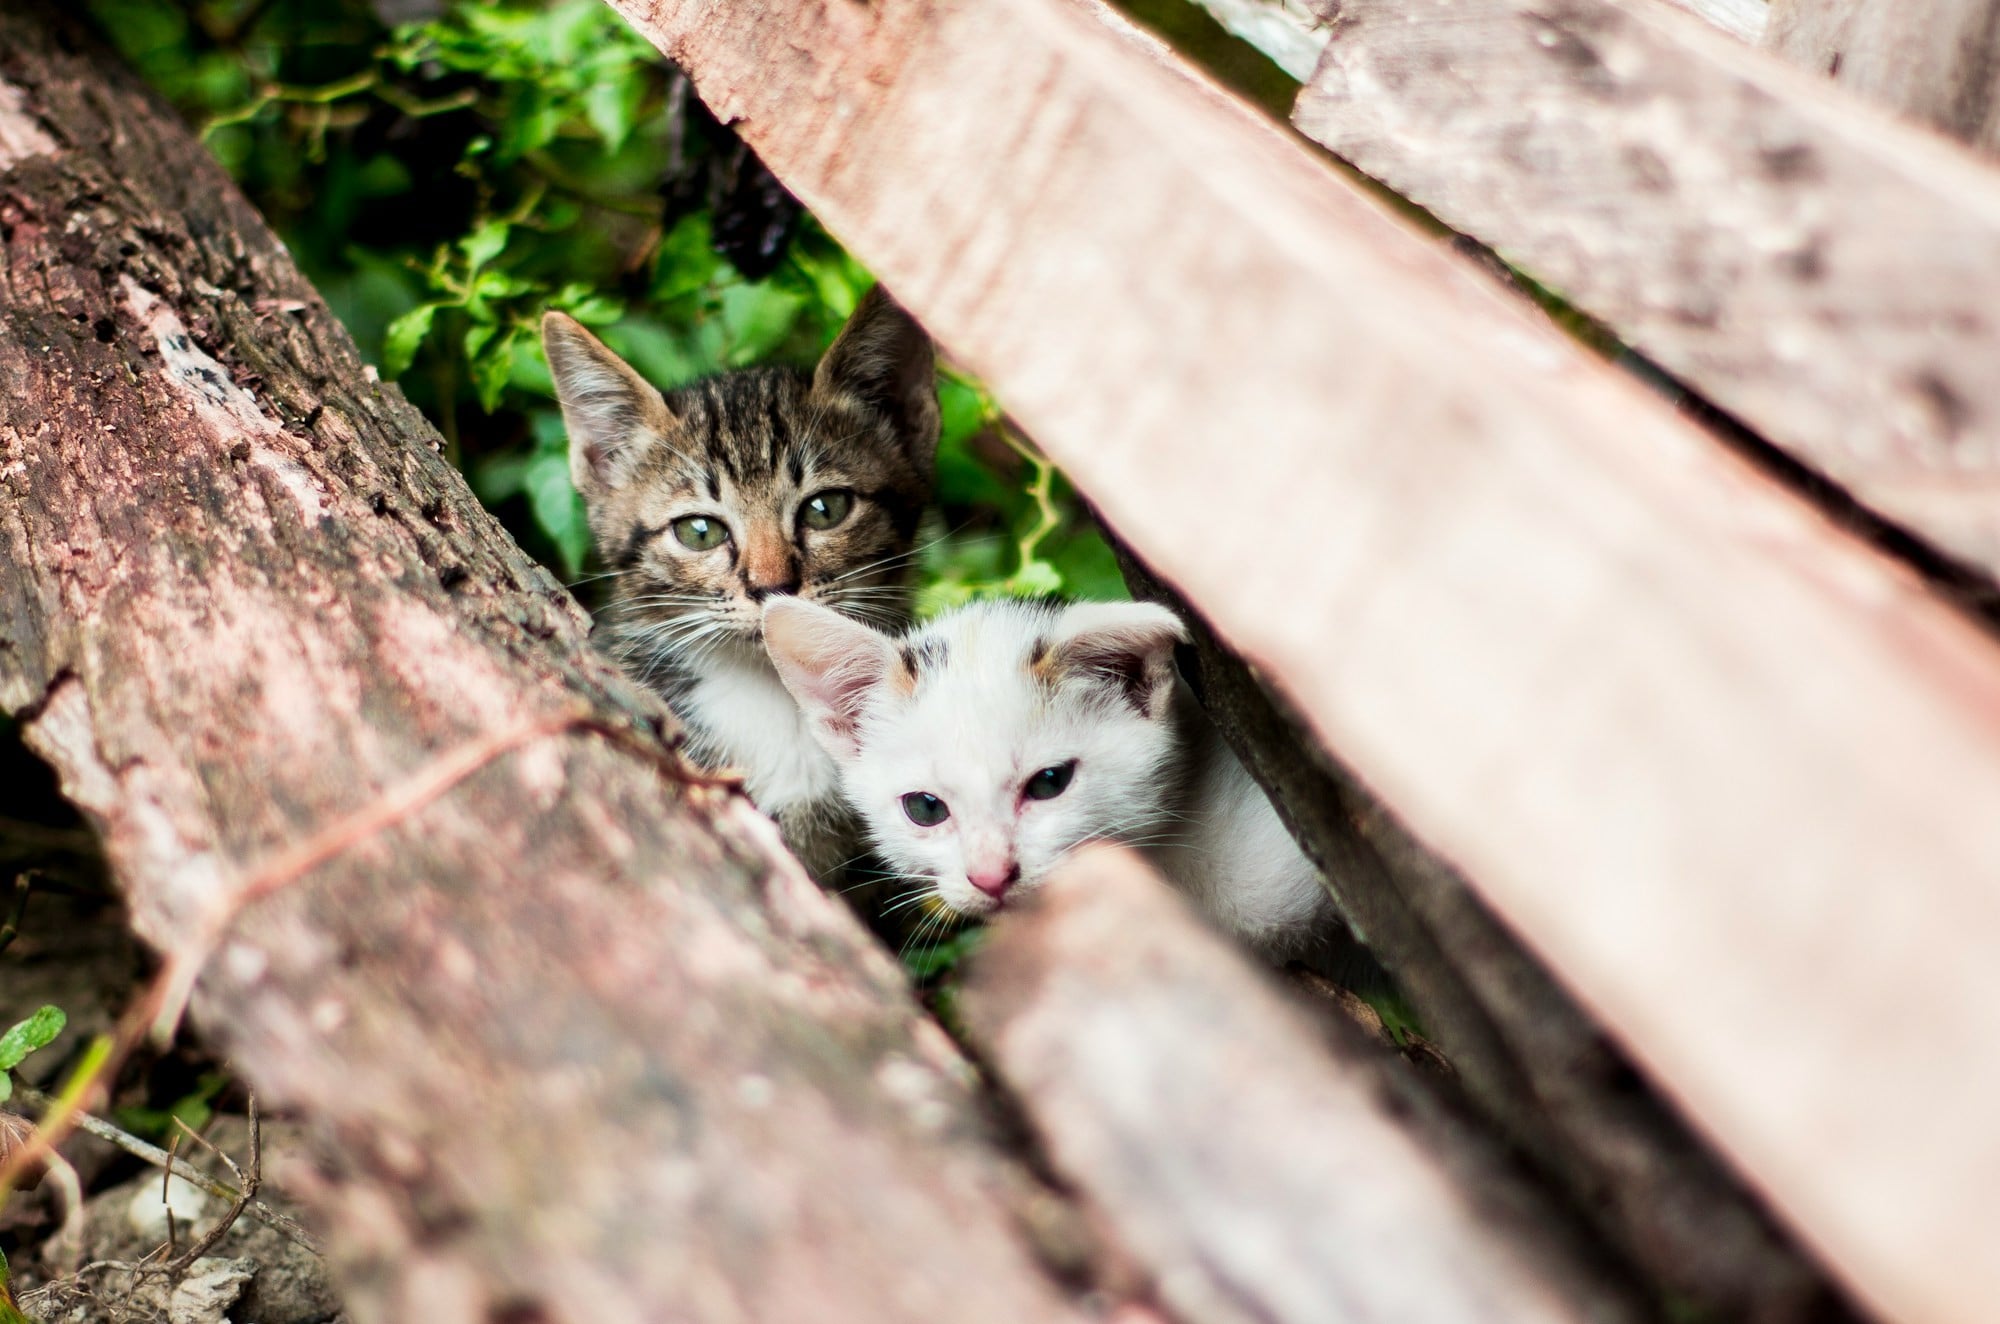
(750, 451)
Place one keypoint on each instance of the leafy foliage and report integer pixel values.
(38, 1031)
(444, 182)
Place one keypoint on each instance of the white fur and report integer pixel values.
(979, 722)
(749, 722)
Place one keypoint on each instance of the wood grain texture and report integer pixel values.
(1937, 61)
(1727, 770)
(585, 1044)
(1292, 33)
(1268, 1169)
(1288, 31)
(1822, 274)
(1533, 1064)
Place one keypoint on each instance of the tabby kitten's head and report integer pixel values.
(707, 500)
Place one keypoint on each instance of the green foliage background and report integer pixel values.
(443, 182)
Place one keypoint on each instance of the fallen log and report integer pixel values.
(1264, 1166)
(1657, 708)
(1529, 1060)
(1819, 272)
(582, 1041)
(1933, 60)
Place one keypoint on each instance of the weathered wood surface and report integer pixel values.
(1826, 276)
(585, 1044)
(1288, 31)
(1264, 1167)
(1695, 744)
(1937, 61)
(1528, 1059)
(1744, 20)
(1292, 33)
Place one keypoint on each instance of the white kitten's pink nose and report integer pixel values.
(995, 880)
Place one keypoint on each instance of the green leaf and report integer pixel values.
(405, 334)
(35, 1032)
(484, 244)
(755, 318)
(558, 510)
(1036, 579)
(612, 106)
(6, 1087)
(493, 367)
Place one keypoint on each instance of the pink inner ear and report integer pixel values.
(829, 663)
(1128, 645)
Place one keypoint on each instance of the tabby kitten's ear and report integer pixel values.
(830, 664)
(883, 359)
(1128, 647)
(613, 415)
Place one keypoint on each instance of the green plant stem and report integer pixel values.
(181, 1168)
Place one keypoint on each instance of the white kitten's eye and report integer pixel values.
(1050, 782)
(925, 809)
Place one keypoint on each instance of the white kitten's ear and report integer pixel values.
(884, 359)
(1127, 646)
(831, 664)
(612, 413)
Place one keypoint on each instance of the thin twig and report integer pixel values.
(179, 1167)
(246, 1191)
(24, 883)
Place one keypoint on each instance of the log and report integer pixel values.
(1531, 1063)
(1657, 708)
(1933, 60)
(1823, 275)
(584, 1043)
(1264, 1166)
(1293, 35)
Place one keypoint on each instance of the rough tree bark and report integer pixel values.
(584, 1043)
(1935, 60)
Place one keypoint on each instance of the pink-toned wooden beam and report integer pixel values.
(1730, 771)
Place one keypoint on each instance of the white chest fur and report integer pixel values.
(742, 717)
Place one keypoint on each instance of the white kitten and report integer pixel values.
(982, 749)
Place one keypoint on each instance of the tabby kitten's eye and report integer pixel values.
(1050, 782)
(925, 809)
(699, 533)
(823, 510)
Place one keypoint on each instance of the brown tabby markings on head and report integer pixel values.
(750, 451)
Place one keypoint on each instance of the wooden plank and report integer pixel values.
(1263, 1167)
(1697, 745)
(1822, 274)
(1539, 1071)
(1293, 35)
(1285, 30)
(1934, 60)
(1744, 20)
(579, 1038)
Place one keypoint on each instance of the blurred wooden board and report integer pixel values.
(1265, 1168)
(1825, 275)
(1731, 772)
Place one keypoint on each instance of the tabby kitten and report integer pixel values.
(707, 500)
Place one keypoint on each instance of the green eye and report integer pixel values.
(925, 809)
(1050, 782)
(699, 533)
(823, 510)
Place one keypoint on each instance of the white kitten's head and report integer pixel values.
(983, 748)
